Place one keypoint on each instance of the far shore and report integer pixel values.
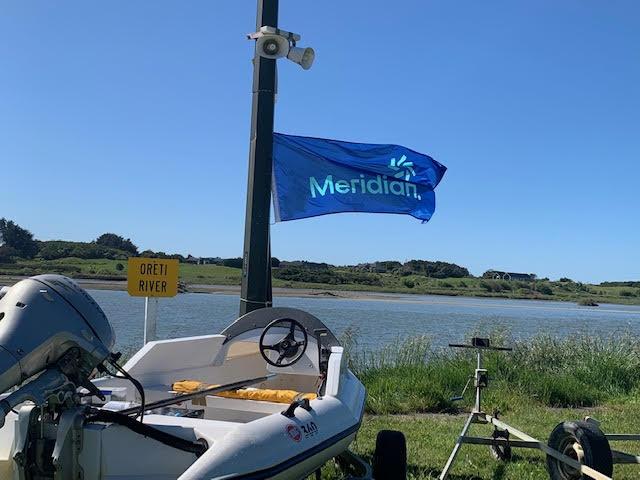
(121, 285)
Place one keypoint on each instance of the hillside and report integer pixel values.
(105, 258)
(328, 277)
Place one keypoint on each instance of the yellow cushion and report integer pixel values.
(188, 386)
(260, 394)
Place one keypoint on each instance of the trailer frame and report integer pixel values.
(523, 440)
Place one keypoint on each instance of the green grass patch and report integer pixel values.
(543, 382)
(430, 438)
(582, 371)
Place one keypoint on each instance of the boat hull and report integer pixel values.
(286, 448)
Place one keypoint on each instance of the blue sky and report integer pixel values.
(133, 117)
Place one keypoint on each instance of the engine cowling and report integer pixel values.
(41, 319)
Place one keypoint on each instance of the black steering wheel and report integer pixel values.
(289, 349)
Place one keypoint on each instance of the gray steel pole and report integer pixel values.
(256, 255)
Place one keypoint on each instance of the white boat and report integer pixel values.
(53, 336)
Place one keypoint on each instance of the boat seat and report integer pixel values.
(242, 405)
(191, 428)
(255, 394)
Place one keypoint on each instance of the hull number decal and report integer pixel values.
(310, 430)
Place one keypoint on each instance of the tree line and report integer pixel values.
(17, 243)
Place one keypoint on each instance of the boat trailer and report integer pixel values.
(574, 448)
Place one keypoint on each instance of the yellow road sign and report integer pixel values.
(152, 277)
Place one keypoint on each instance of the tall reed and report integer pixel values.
(579, 371)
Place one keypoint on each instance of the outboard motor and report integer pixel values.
(52, 327)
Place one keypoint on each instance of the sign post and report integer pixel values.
(152, 278)
(150, 318)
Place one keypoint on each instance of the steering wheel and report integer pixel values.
(289, 349)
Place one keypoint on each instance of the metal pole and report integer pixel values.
(478, 389)
(256, 268)
(150, 318)
(456, 448)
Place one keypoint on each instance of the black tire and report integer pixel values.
(501, 452)
(593, 451)
(390, 457)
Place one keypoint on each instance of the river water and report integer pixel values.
(377, 322)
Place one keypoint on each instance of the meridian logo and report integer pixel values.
(373, 185)
(408, 171)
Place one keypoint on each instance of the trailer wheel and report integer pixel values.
(501, 452)
(584, 442)
(390, 456)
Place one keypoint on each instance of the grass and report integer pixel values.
(430, 438)
(390, 283)
(580, 371)
(543, 382)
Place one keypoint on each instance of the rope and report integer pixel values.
(256, 302)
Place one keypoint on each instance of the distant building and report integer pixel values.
(521, 277)
(197, 260)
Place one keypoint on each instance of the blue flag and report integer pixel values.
(316, 176)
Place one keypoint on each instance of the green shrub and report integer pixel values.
(581, 287)
(495, 286)
(54, 249)
(435, 269)
(7, 254)
(19, 239)
(306, 274)
(544, 289)
(232, 262)
(111, 240)
(486, 285)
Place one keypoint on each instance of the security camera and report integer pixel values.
(274, 43)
